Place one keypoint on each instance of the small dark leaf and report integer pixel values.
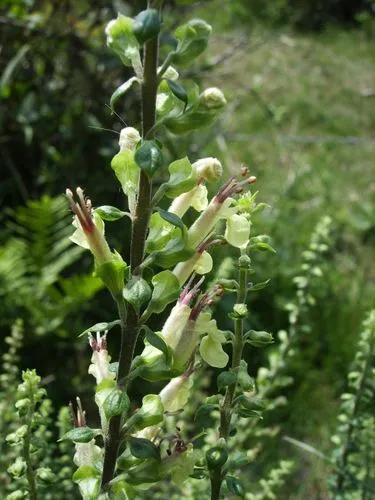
(172, 219)
(149, 157)
(179, 91)
(143, 448)
(146, 25)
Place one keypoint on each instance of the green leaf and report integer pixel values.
(146, 25)
(149, 157)
(137, 292)
(158, 342)
(143, 448)
(112, 273)
(234, 486)
(179, 91)
(116, 403)
(106, 212)
(79, 435)
(182, 177)
(225, 378)
(258, 286)
(258, 339)
(121, 90)
(161, 232)
(250, 407)
(166, 290)
(262, 246)
(101, 327)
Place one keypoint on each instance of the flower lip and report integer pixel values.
(82, 209)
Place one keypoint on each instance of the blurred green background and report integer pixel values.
(299, 77)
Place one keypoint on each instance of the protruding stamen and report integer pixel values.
(206, 301)
(79, 418)
(188, 293)
(82, 209)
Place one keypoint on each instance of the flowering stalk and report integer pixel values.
(129, 323)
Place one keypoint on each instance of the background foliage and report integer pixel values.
(299, 77)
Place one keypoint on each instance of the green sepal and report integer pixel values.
(126, 171)
(203, 417)
(121, 39)
(112, 273)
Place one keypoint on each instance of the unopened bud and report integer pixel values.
(213, 98)
(170, 73)
(129, 138)
(209, 169)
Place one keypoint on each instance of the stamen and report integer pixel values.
(206, 301)
(81, 209)
(188, 294)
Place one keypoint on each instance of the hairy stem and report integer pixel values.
(129, 321)
(226, 408)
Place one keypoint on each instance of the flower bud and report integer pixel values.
(129, 138)
(170, 73)
(210, 169)
(213, 98)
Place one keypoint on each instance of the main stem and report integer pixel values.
(226, 408)
(129, 320)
